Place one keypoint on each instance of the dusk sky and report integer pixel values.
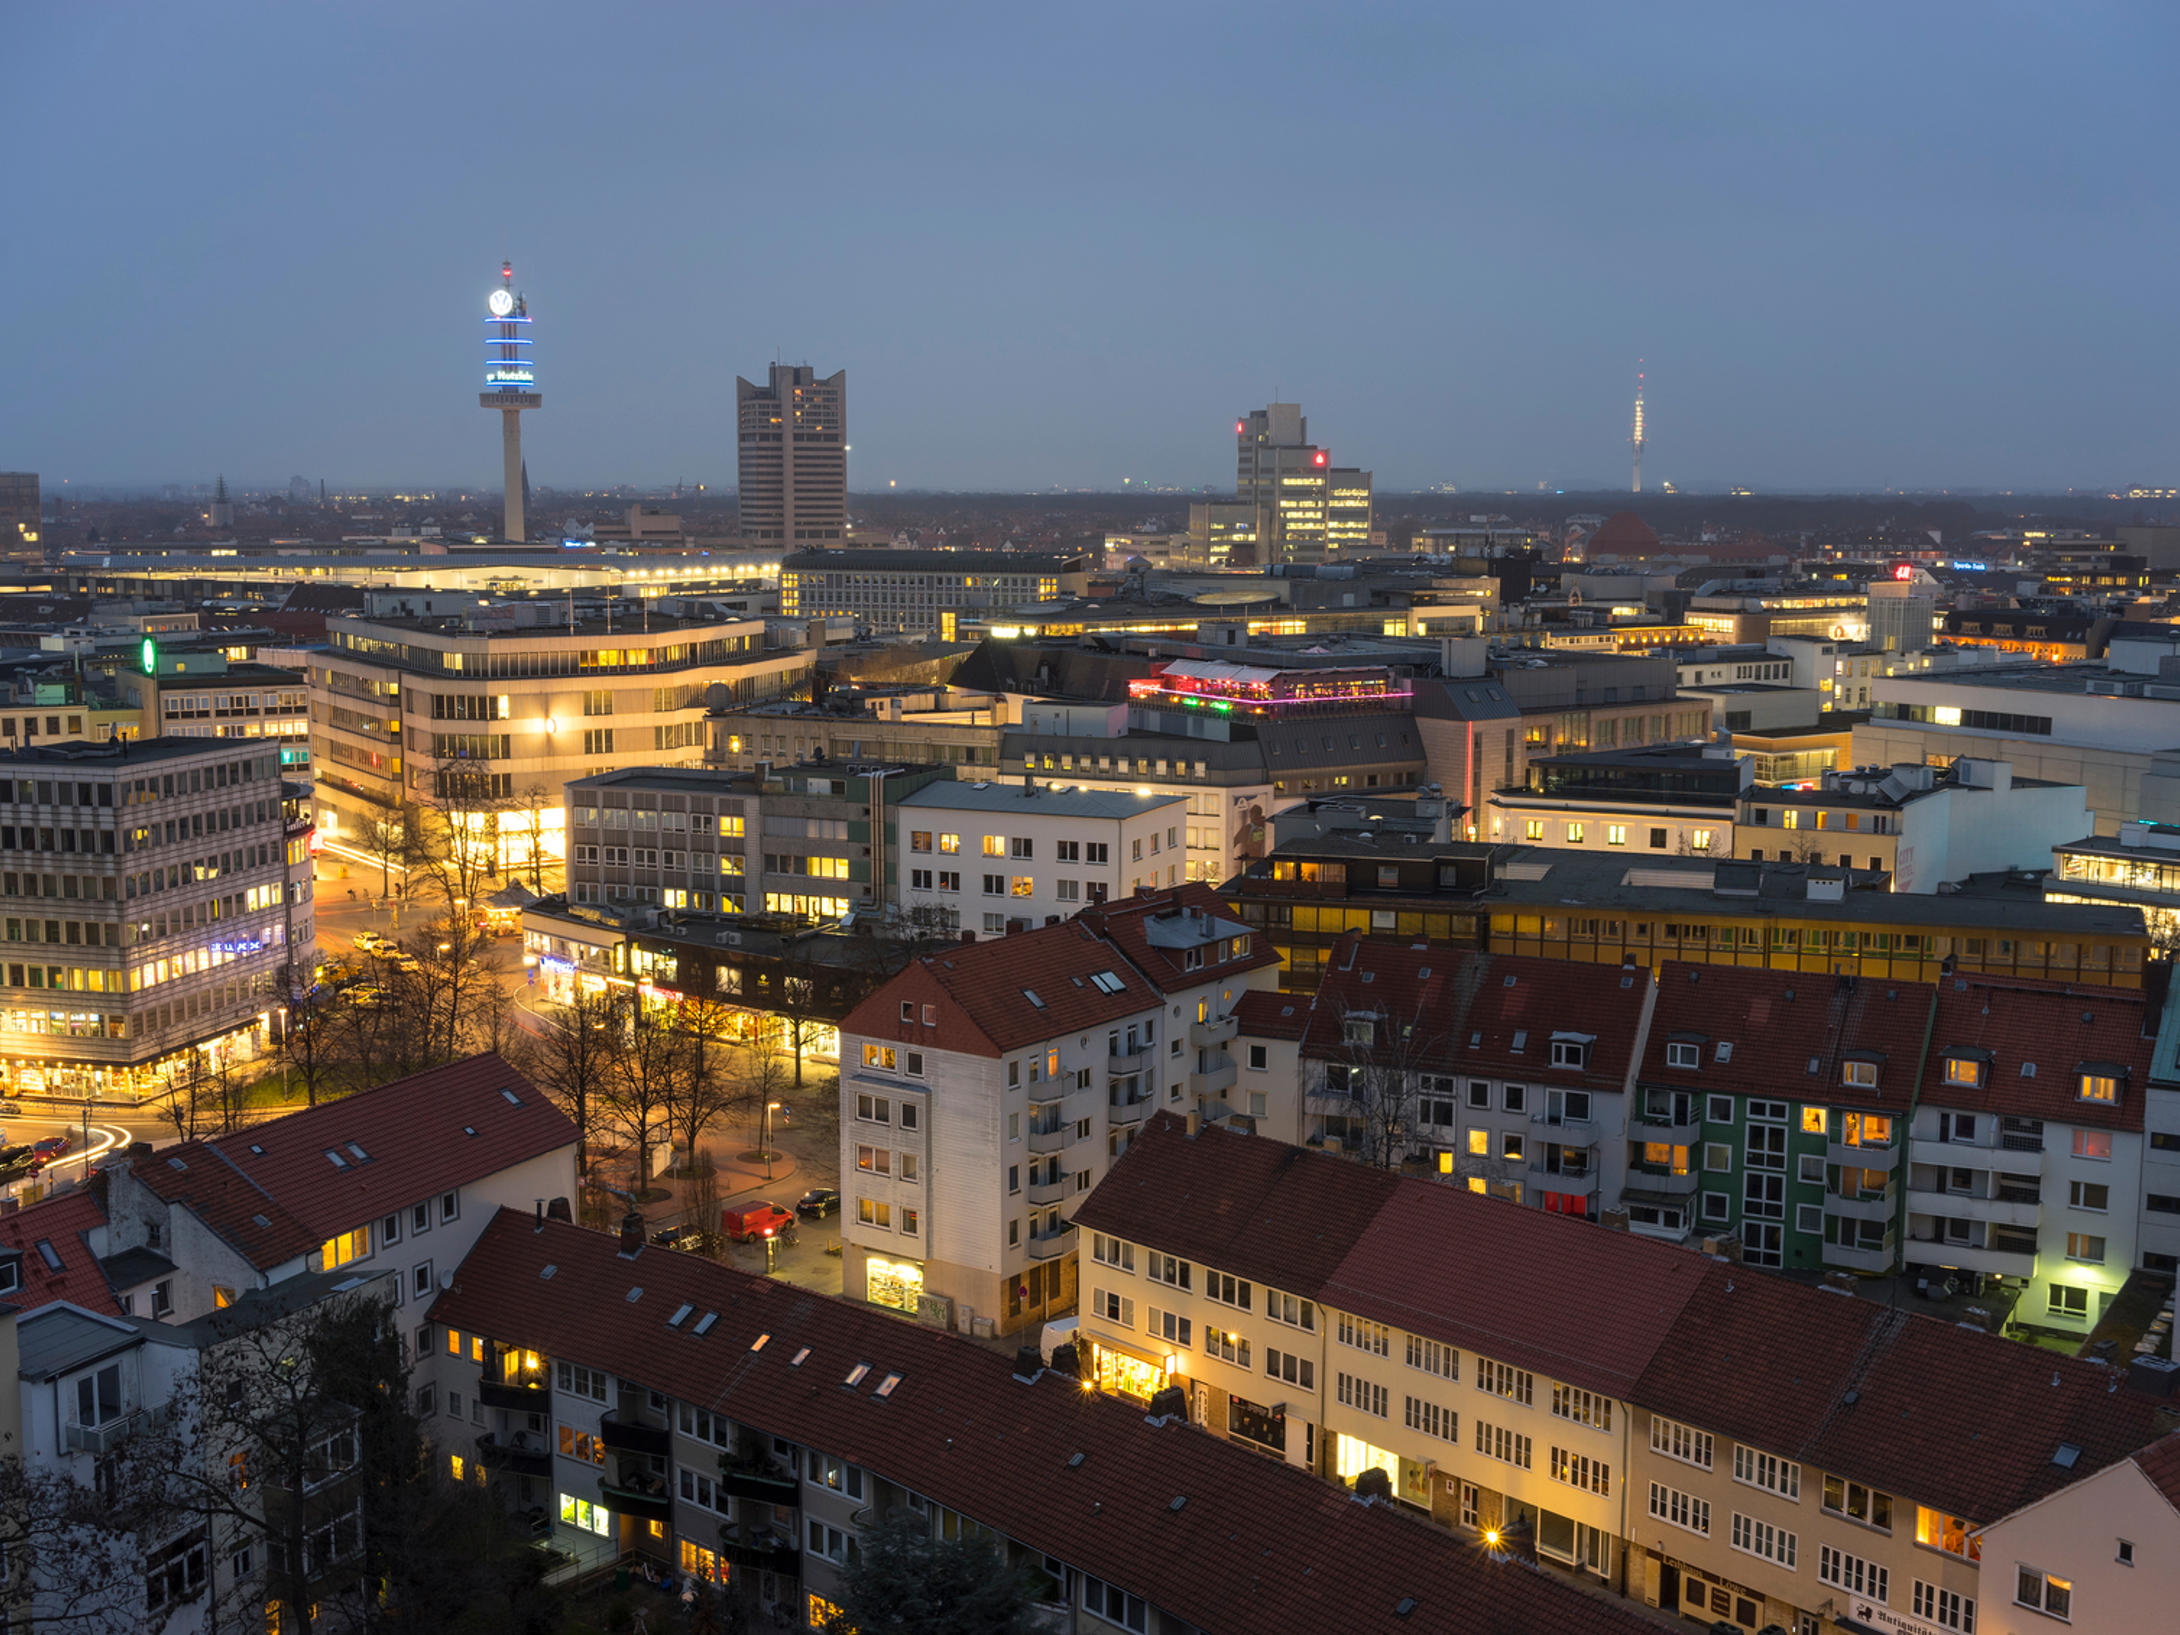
(1858, 245)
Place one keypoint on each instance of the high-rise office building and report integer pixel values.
(792, 455)
(1306, 508)
(19, 527)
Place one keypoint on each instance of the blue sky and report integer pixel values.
(1858, 245)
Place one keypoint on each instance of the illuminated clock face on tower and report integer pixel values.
(502, 302)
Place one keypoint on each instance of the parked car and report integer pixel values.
(753, 1223)
(366, 941)
(692, 1238)
(818, 1203)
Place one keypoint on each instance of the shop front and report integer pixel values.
(1123, 1371)
(897, 1284)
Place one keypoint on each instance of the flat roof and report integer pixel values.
(1038, 798)
(121, 754)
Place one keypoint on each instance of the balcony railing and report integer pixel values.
(1051, 1245)
(522, 1453)
(103, 1438)
(1050, 1192)
(633, 1436)
(1862, 1157)
(1124, 1110)
(760, 1483)
(1685, 1133)
(645, 1498)
(1216, 1031)
(1052, 1137)
(1642, 1178)
(1861, 1206)
(1217, 1079)
(530, 1399)
(1855, 1258)
(1127, 1060)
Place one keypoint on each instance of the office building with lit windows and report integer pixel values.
(20, 528)
(923, 591)
(422, 699)
(792, 453)
(154, 898)
(1304, 507)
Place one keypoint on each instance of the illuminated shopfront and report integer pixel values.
(1124, 1374)
(894, 1283)
(1351, 1456)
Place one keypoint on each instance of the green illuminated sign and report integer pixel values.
(151, 657)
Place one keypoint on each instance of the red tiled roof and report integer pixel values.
(1269, 1013)
(1196, 1526)
(64, 1222)
(1777, 1023)
(429, 1133)
(2052, 1028)
(1257, 1208)
(1127, 925)
(983, 989)
(2160, 1462)
(1481, 1013)
(1941, 1415)
(1623, 531)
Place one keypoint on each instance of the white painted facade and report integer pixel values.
(2112, 1540)
(990, 854)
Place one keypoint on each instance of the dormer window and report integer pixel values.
(1684, 1053)
(1858, 1075)
(2099, 1084)
(1570, 1050)
(1358, 1030)
(1963, 1070)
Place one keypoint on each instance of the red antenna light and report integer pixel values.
(1322, 457)
(507, 269)
(1238, 428)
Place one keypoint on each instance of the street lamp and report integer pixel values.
(771, 1107)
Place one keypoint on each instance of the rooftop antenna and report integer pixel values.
(1636, 441)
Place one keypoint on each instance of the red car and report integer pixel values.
(44, 1152)
(753, 1223)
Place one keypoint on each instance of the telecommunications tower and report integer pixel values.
(510, 387)
(1636, 441)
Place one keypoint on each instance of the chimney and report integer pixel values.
(631, 1235)
(540, 1226)
(1194, 1122)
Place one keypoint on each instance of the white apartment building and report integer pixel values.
(985, 1089)
(2103, 1553)
(420, 684)
(994, 856)
(2159, 1229)
(2025, 1157)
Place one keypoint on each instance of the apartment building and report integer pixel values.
(393, 1181)
(923, 592)
(939, 729)
(2158, 1228)
(2103, 1553)
(1924, 825)
(155, 899)
(1696, 1435)
(1664, 799)
(985, 1089)
(1512, 1074)
(1772, 1108)
(509, 701)
(816, 842)
(2026, 1152)
(206, 695)
(727, 1427)
(992, 857)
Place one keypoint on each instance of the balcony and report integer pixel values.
(103, 1438)
(1672, 1134)
(1125, 1061)
(1123, 1111)
(1878, 1208)
(1217, 1079)
(522, 1453)
(646, 1498)
(523, 1399)
(1963, 1257)
(633, 1436)
(1999, 1211)
(1951, 1154)
(1884, 1158)
(1050, 1192)
(1564, 1177)
(1054, 1137)
(1213, 1033)
(1051, 1245)
(1661, 1183)
(760, 1549)
(1848, 1257)
(757, 1482)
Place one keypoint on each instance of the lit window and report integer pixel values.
(1813, 1120)
(1963, 1070)
(2099, 1087)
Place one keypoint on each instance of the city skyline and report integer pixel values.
(1842, 273)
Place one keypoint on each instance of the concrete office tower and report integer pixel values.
(19, 516)
(792, 455)
(1636, 441)
(1304, 507)
(510, 381)
(1903, 611)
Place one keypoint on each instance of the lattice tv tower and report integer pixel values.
(1636, 441)
(510, 381)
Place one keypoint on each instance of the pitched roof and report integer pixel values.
(1155, 929)
(280, 1189)
(1273, 1013)
(2034, 1040)
(1648, 1322)
(64, 1224)
(1184, 1519)
(1259, 1209)
(1007, 992)
(1482, 1013)
(1786, 1033)
(2160, 1462)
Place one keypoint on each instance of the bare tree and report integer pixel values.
(536, 799)
(648, 1060)
(456, 842)
(75, 1552)
(572, 1058)
(706, 1090)
(204, 1097)
(309, 1037)
(1372, 1081)
(805, 985)
(386, 838)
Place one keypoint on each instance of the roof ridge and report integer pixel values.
(1890, 1325)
